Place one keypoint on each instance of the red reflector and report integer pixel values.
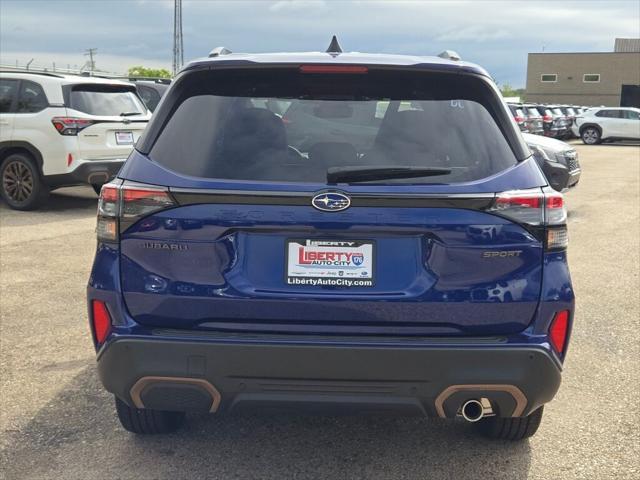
(558, 330)
(101, 320)
(333, 69)
(69, 159)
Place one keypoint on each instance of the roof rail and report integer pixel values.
(31, 72)
(216, 52)
(450, 55)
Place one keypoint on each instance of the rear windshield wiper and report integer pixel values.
(370, 174)
(130, 114)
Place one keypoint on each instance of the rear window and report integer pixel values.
(288, 127)
(105, 100)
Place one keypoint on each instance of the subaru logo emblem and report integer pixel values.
(331, 202)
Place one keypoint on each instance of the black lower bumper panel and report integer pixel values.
(428, 379)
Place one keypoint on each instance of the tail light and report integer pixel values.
(547, 118)
(519, 119)
(70, 125)
(333, 69)
(536, 208)
(101, 320)
(558, 331)
(120, 206)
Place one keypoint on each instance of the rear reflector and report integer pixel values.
(101, 320)
(558, 331)
(333, 69)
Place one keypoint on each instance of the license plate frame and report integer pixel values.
(331, 262)
(124, 137)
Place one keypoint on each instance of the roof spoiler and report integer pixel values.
(216, 52)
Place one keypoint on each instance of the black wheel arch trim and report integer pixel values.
(587, 125)
(11, 145)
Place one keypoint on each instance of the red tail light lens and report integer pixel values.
(122, 205)
(70, 126)
(536, 208)
(519, 119)
(521, 206)
(359, 69)
(139, 202)
(547, 118)
(558, 331)
(101, 320)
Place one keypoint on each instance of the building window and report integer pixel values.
(591, 78)
(549, 78)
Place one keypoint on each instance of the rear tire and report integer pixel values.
(513, 429)
(21, 185)
(591, 136)
(148, 422)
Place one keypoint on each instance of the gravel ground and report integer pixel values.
(56, 422)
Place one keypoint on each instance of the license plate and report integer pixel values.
(124, 138)
(327, 262)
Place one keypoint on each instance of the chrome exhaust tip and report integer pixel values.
(475, 410)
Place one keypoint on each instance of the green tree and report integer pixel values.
(508, 91)
(140, 71)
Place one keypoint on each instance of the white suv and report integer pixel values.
(598, 124)
(62, 130)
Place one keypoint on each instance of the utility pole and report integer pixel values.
(91, 63)
(178, 56)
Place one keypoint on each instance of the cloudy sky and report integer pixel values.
(496, 34)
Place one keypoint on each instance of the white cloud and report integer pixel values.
(297, 5)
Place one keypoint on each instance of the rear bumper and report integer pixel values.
(87, 172)
(427, 377)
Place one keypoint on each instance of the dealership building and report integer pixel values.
(592, 78)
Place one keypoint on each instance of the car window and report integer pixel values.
(32, 98)
(631, 115)
(610, 114)
(105, 100)
(150, 96)
(8, 90)
(226, 131)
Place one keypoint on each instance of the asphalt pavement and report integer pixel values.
(56, 422)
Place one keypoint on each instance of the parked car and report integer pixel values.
(518, 114)
(533, 119)
(554, 122)
(423, 271)
(151, 91)
(570, 115)
(607, 124)
(558, 160)
(62, 130)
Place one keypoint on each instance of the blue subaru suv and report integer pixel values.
(331, 230)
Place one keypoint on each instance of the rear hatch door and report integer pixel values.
(277, 235)
(117, 119)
